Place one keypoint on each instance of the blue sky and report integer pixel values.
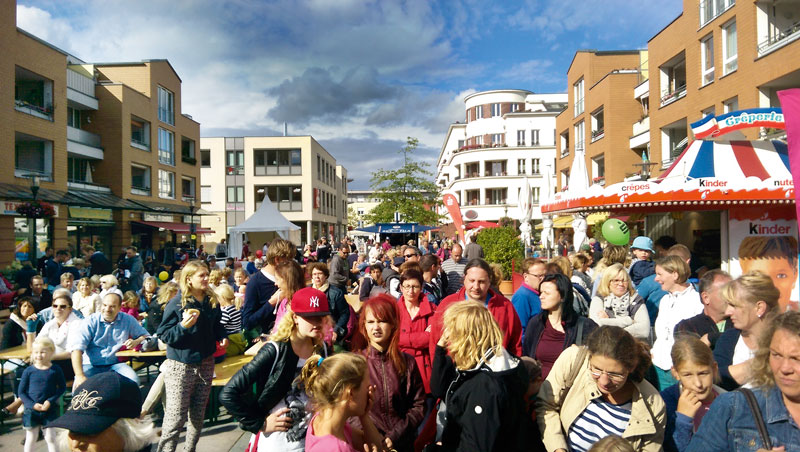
(359, 76)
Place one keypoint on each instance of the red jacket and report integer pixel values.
(413, 338)
(502, 310)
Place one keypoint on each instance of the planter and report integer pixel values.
(506, 287)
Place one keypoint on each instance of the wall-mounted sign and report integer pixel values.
(90, 214)
(160, 217)
(754, 117)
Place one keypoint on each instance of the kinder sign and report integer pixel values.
(735, 120)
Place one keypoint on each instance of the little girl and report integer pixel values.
(41, 387)
(231, 316)
(339, 389)
(688, 401)
(130, 304)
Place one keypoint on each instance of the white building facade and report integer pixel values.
(303, 181)
(509, 134)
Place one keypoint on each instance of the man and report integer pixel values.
(454, 269)
(53, 268)
(24, 276)
(386, 245)
(222, 249)
(477, 280)
(245, 250)
(430, 272)
(100, 337)
(473, 250)
(40, 263)
(339, 269)
(323, 251)
(104, 416)
(41, 297)
(259, 303)
(100, 265)
(46, 314)
(526, 299)
(136, 268)
(411, 254)
(712, 322)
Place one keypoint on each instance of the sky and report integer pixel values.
(360, 76)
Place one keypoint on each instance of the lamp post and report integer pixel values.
(192, 226)
(32, 248)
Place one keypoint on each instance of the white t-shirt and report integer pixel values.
(60, 334)
(673, 308)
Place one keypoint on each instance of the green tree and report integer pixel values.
(502, 245)
(352, 217)
(407, 190)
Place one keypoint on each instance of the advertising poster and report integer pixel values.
(766, 240)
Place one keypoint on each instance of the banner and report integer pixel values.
(790, 104)
(735, 120)
(451, 203)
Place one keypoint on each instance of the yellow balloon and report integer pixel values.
(163, 276)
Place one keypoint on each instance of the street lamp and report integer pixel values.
(32, 254)
(192, 226)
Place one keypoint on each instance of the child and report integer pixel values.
(148, 293)
(339, 389)
(688, 401)
(642, 265)
(239, 279)
(41, 386)
(130, 304)
(231, 316)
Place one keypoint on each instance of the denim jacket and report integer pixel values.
(729, 424)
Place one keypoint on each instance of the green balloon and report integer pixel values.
(616, 232)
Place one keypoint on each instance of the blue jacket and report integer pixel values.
(652, 293)
(256, 310)
(527, 304)
(729, 424)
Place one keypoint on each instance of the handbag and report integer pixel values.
(757, 417)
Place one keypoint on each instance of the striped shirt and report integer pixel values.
(231, 319)
(597, 421)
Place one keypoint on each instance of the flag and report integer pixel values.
(705, 127)
(451, 203)
(790, 104)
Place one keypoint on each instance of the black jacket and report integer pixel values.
(191, 345)
(723, 355)
(485, 406)
(535, 328)
(237, 395)
(340, 310)
(257, 312)
(701, 324)
(100, 264)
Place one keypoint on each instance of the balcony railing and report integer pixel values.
(83, 137)
(779, 39)
(597, 134)
(35, 110)
(90, 186)
(188, 159)
(143, 191)
(80, 82)
(667, 96)
(140, 144)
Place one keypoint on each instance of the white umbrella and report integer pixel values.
(525, 205)
(544, 196)
(578, 175)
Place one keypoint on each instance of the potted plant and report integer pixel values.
(502, 246)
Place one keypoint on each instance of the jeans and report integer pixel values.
(120, 368)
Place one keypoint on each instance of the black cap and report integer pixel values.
(99, 402)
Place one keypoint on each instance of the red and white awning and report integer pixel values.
(707, 175)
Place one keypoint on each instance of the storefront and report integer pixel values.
(89, 226)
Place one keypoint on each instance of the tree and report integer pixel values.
(352, 218)
(407, 190)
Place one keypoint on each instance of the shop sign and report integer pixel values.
(191, 219)
(159, 217)
(90, 214)
(766, 241)
(10, 208)
(735, 120)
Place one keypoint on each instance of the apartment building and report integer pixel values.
(300, 178)
(361, 202)
(508, 134)
(599, 115)
(69, 124)
(719, 56)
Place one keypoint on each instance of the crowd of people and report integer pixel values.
(624, 350)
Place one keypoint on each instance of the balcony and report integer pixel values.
(779, 38)
(668, 97)
(598, 134)
(34, 110)
(89, 186)
(641, 133)
(80, 89)
(141, 191)
(83, 143)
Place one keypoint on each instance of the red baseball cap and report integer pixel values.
(310, 302)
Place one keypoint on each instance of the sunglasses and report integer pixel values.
(409, 255)
(60, 306)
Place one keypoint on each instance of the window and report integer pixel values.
(33, 94)
(234, 162)
(673, 79)
(599, 169)
(73, 117)
(166, 184)
(535, 194)
(707, 59)
(496, 195)
(564, 143)
(166, 147)
(710, 9)
(707, 111)
(535, 166)
(673, 140)
(33, 156)
(535, 137)
(730, 105)
(460, 144)
(187, 188)
(729, 48)
(496, 110)
(479, 112)
(140, 133)
(577, 90)
(520, 138)
(520, 166)
(496, 168)
(598, 124)
(187, 151)
(235, 194)
(205, 193)
(319, 169)
(78, 170)
(514, 108)
(140, 179)
(479, 140)
(471, 170)
(166, 109)
(205, 158)
(473, 197)
(497, 139)
(289, 198)
(282, 162)
(580, 133)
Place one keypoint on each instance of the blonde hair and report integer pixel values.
(612, 443)
(95, 280)
(689, 348)
(136, 433)
(471, 332)
(564, 264)
(224, 294)
(66, 276)
(110, 279)
(45, 342)
(287, 327)
(214, 277)
(391, 253)
(166, 293)
(752, 287)
(150, 278)
(604, 289)
(130, 296)
(87, 281)
(328, 380)
(675, 264)
(186, 294)
(760, 370)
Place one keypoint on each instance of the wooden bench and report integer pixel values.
(223, 372)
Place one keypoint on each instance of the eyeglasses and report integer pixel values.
(409, 255)
(597, 373)
(619, 281)
(539, 276)
(411, 288)
(60, 306)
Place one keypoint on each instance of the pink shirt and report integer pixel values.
(328, 443)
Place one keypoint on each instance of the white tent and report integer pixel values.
(265, 219)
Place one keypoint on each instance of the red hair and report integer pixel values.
(383, 308)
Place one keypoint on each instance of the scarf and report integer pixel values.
(324, 287)
(618, 306)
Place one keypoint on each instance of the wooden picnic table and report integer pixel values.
(18, 353)
(133, 354)
(225, 370)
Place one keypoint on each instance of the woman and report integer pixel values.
(752, 302)
(290, 278)
(558, 326)
(481, 384)
(581, 297)
(340, 310)
(730, 424)
(580, 271)
(680, 303)
(339, 388)
(84, 299)
(372, 284)
(59, 328)
(276, 416)
(148, 294)
(618, 304)
(600, 390)
(444, 252)
(399, 397)
(156, 312)
(109, 283)
(191, 328)
(415, 314)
